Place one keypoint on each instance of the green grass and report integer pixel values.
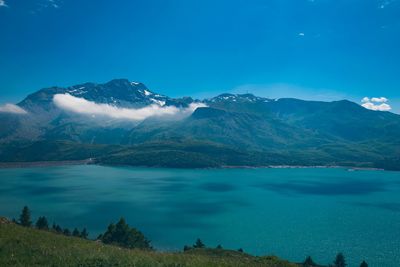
(20, 246)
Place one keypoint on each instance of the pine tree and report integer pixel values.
(108, 236)
(309, 262)
(364, 264)
(199, 244)
(186, 248)
(76, 232)
(25, 217)
(121, 232)
(84, 234)
(42, 223)
(219, 247)
(59, 229)
(240, 250)
(340, 261)
(67, 232)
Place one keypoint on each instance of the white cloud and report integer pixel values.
(376, 103)
(379, 99)
(3, 3)
(365, 100)
(11, 108)
(301, 34)
(85, 107)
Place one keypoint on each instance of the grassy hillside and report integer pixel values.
(20, 246)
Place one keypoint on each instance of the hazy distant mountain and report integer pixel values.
(225, 130)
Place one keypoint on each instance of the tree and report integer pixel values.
(364, 264)
(309, 262)
(84, 234)
(25, 217)
(108, 236)
(121, 231)
(122, 235)
(340, 261)
(67, 232)
(76, 232)
(42, 223)
(219, 247)
(199, 244)
(59, 229)
(186, 248)
(240, 250)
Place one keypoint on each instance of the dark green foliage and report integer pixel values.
(364, 264)
(339, 261)
(25, 217)
(309, 262)
(219, 247)
(240, 250)
(186, 248)
(122, 235)
(58, 229)
(84, 234)
(199, 244)
(66, 232)
(76, 232)
(42, 223)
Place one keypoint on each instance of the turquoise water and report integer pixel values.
(290, 213)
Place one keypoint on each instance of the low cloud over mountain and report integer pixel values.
(11, 108)
(83, 106)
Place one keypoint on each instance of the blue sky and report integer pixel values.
(309, 49)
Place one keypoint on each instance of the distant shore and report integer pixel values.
(350, 168)
(42, 164)
(38, 164)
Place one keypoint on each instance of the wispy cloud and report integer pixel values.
(385, 3)
(11, 108)
(45, 4)
(376, 103)
(3, 3)
(85, 107)
(53, 3)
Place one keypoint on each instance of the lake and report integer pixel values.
(290, 213)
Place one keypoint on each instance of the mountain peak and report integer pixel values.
(238, 98)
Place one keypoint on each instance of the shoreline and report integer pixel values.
(43, 164)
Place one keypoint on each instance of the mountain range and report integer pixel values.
(125, 123)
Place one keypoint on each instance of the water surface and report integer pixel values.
(290, 213)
